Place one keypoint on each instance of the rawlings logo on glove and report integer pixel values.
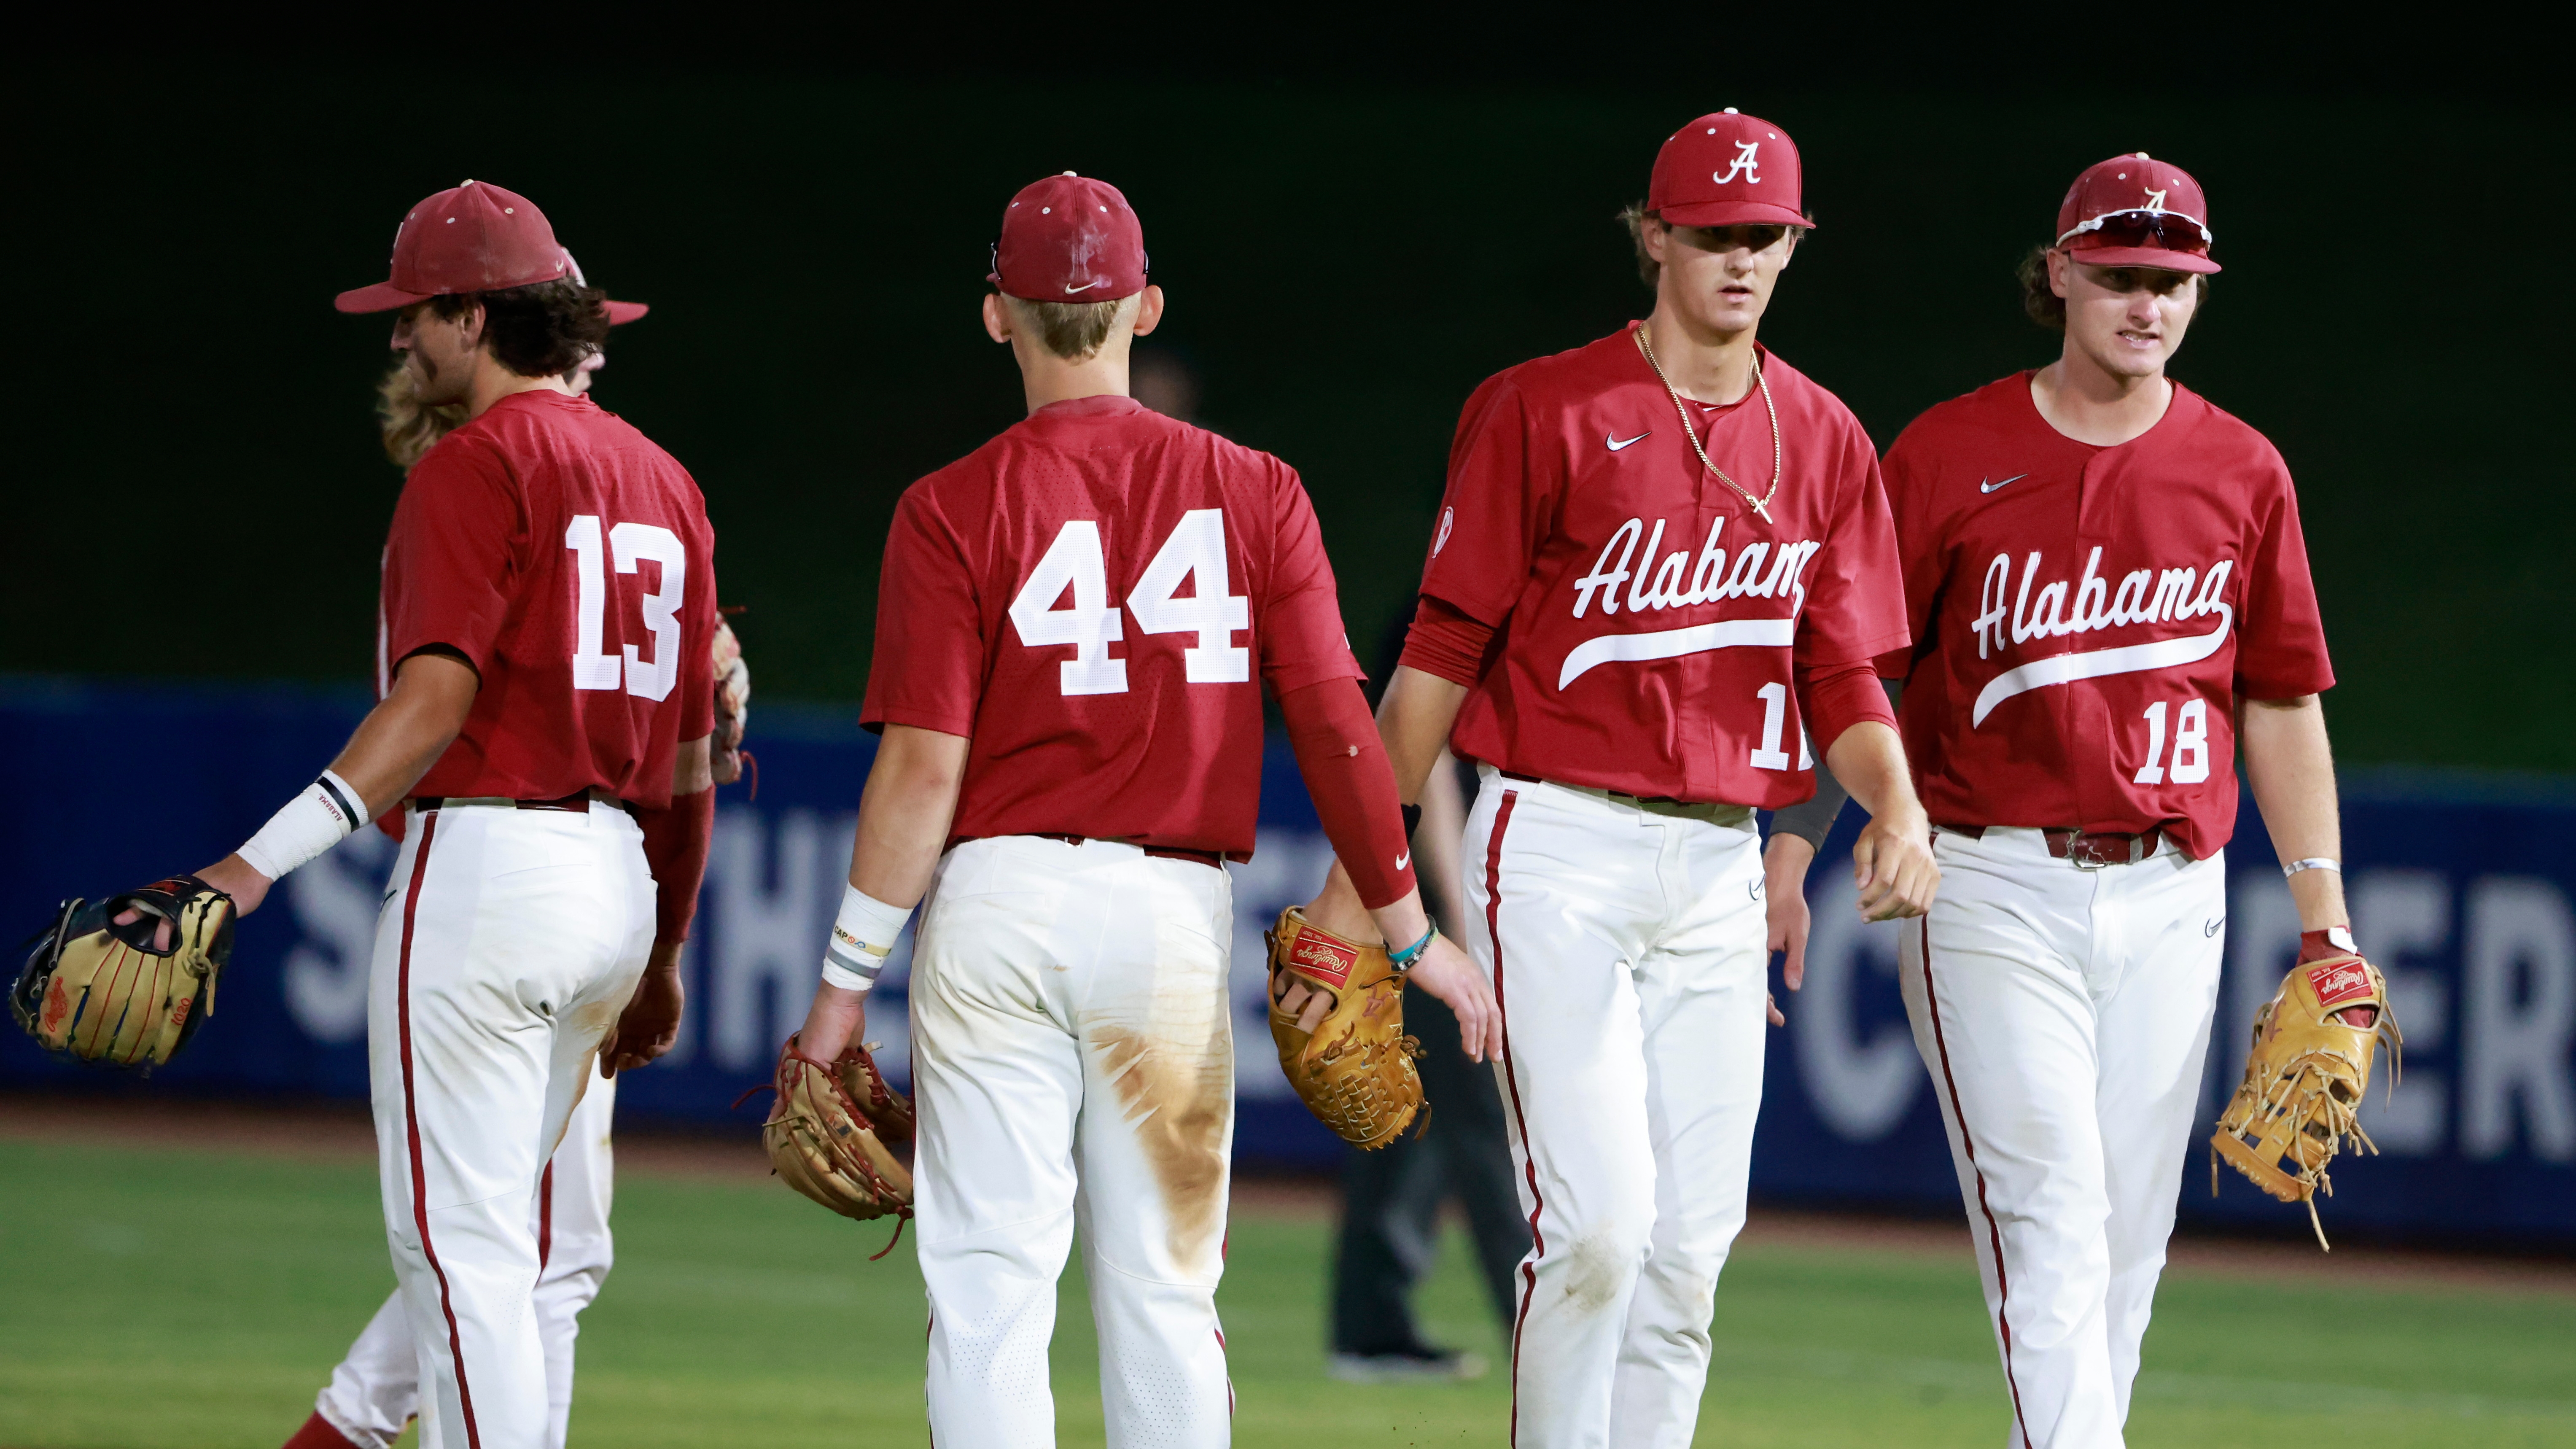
(2307, 1073)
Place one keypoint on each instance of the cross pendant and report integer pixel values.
(1759, 507)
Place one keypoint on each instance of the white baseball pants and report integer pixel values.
(376, 1389)
(1073, 1063)
(511, 942)
(2064, 1014)
(1626, 946)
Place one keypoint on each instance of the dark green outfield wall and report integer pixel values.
(196, 489)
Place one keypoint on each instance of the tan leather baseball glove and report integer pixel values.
(2305, 1078)
(103, 992)
(1337, 1015)
(827, 1133)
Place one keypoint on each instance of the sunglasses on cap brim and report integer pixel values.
(2170, 230)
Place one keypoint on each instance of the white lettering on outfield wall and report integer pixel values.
(2405, 916)
(2518, 1018)
(1861, 1088)
(336, 900)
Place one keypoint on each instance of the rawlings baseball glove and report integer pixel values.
(1337, 1014)
(101, 992)
(733, 708)
(2306, 1076)
(827, 1133)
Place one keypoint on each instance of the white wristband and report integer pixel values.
(863, 935)
(2314, 862)
(311, 823)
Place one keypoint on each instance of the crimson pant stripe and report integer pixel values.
(546, 1215)
(1994, 1234)
(1494, 933)
(411, 1127)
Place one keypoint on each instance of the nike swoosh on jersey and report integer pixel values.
(1674, 643)
(1985, 487)
(1617, 443)
(2096, 663)
(2212, 928)
(1404, 860)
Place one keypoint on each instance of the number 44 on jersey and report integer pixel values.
(1092, 624)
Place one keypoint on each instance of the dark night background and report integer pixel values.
(197, 488)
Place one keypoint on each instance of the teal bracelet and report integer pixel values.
(1403, 960)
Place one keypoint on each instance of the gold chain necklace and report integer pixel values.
(1761, 505)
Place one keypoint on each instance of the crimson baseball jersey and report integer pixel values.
(2085, 619)
(1084, 598)
(1649, 619)
(570, 561)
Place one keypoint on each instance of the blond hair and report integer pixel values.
(411, 429)
(1072, 330)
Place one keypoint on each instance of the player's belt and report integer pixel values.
(1713, 812)
(2086, 850)
(1211, 858)
(580, 800)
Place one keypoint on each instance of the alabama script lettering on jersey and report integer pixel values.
(1649, 619)
(1085, 597)
(2125, 598)
(569, 559)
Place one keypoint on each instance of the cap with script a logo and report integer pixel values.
(1728, 169)
(2135, 211)
(1069, 239)
(471, 238)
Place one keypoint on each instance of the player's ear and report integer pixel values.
(2059, 264)
(1149, 309)
(997, 317)
(1654, 236)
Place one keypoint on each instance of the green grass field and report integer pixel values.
(160, 1297)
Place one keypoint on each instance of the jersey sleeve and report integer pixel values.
(1300, 628)
(1494, 511)
(1916, 543)
(1852, 613)
(928, 669)
(2281, 641)
(454, 553)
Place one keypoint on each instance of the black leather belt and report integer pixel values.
(1213, 859)
(578, 800)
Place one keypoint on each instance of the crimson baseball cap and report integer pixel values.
(2135, 211)
(1727, 169)
(1069, 238)
(471, 238)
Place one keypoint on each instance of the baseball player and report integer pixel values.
(2109, 598)
(549, 618)
(1663, 562)
(375, 1391)
(1070, 625)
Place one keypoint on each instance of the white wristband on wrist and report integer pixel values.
(863, 935)
(328, 811)
(2314, 862)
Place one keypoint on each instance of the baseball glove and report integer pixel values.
(827, 1132)
(1337, 1014)
(2305, 1079)
(100, 992)
(733, 707)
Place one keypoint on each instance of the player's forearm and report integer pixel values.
(1870, 762)
(2289, 763)
(408, 729)
(905, 811)
(1414, 718)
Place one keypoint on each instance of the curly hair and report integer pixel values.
(411, 429)
(2043, 306)
(535, 330)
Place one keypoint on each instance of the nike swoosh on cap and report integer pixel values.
(1617, 443)
(1985, 487)
(1070, 289)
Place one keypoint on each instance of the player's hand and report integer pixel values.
(1771, 1009)
(1784, 906)
(233, 876)
(650, 1025)
(1446, 972)
(1892, 864)
(838, 1018)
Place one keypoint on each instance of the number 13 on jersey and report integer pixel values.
(1195, 549)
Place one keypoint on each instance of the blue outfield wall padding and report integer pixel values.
(2461, 888)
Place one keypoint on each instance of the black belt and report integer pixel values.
(1640, 799)
(578, 800)
(2088, 849)
(1210, 858)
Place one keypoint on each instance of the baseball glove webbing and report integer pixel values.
(2304, 1080)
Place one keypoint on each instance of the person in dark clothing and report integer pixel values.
(1392, 1198)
